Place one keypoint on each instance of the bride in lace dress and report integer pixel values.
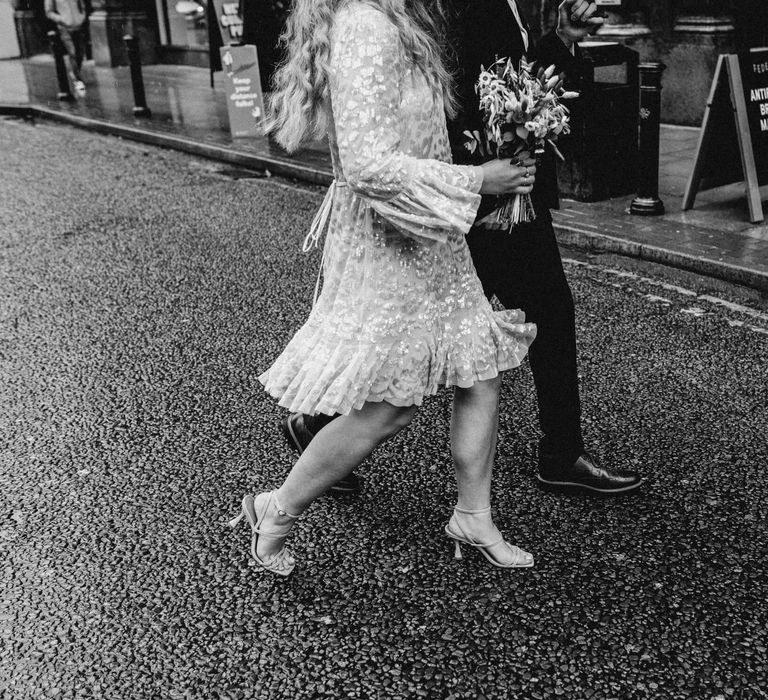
(401, 311)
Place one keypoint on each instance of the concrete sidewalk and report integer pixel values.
(714, 239)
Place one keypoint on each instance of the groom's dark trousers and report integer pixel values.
(522, 267)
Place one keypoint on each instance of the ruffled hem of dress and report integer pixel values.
(318, 374)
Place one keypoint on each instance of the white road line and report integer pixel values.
(738, 308)
(653, 297)
(693, 310)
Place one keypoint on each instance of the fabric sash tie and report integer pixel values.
(316, 229)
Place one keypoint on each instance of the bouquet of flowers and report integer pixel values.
(522, 112)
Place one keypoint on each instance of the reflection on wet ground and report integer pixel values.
(181, 99)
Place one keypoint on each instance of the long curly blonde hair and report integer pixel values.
(300, 84)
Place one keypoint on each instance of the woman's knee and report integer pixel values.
(398, 419)
(382, 420)
(486, 391)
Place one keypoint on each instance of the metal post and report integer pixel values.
(140, 108)
(647, 202)
(65, 93)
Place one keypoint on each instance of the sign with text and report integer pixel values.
(228, 20)
(733, 143)
(245, 100)
(754, 72)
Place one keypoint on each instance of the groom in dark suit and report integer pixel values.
(522, 267)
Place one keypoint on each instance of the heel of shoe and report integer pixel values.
(236, 521)
(457, 551)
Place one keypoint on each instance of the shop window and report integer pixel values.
(183, 23)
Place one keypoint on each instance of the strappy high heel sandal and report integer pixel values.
(254, 510)
(454, 530)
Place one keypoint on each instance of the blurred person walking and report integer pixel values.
(70, 17)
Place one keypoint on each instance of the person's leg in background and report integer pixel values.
(69, 47)
(299, 430)
(79, 40)
(72, 39)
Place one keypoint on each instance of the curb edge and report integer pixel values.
(590, 241)
(602, 243)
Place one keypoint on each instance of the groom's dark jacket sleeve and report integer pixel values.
(480, 31)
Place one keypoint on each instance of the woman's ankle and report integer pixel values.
(286, 507)
(274, 528)
(476, 522)
(472, 507)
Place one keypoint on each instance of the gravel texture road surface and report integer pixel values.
(142, 292)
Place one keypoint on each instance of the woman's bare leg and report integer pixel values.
(474, 426)
(474, 429)
(333, 453)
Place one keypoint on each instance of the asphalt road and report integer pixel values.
(142, 292)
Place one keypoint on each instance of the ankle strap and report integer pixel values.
(280, 510)
(464, 511)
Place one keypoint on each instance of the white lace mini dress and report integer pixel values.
(401, 311)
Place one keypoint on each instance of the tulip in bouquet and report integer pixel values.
(522, 113)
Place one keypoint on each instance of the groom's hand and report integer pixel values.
(577, 19)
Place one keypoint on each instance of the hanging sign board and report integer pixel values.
(245, 100)
(228, 20)
(733, 142)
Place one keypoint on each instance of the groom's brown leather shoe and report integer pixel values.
(585, 473)
(298, 436)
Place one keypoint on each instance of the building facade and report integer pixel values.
(686, 35)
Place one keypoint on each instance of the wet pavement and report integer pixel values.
(141, 293)
(182, 101)
(715, 238)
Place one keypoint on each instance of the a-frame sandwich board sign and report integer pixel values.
(733, 142)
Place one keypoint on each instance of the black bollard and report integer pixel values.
(647, 202)
(140, 108)
(65, 93)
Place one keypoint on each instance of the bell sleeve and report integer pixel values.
(421, 197)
